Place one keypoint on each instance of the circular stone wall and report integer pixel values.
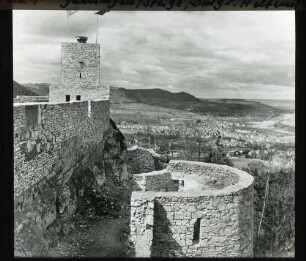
(213, 221)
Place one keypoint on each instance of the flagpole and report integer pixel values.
(97, 29)
(67, 27)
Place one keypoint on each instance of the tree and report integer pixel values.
(274, 214)
(218, 156)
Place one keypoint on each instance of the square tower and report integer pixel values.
(80, 73)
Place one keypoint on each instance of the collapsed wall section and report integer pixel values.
(155, 181)
(144, 160)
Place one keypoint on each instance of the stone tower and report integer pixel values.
(80, 73)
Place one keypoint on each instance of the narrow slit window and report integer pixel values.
(67, 98)
(81, 64)
(196, 232)
(78, 97)
(80, 75)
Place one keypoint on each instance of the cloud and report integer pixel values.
(209, 54)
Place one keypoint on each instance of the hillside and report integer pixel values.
(30, 89)
(41, 89)
(187, 102)
(19, 89)
(235, 106)
(162, 98)
(149, 96)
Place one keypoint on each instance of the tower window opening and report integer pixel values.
(196, 232)
(81, 64)
(80, 75)
(78, 97)
(67, 98)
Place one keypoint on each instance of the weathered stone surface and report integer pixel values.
(224, 214)
(142, 160)
(49, 188)
(59, 151)
(155, 181)
(99, 174)
(80, 74)
(67, 136)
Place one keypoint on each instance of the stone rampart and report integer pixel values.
(24, 99)
(58, 93)
(55, 138)
(215, 220)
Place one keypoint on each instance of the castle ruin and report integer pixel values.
(54, 140)
(76, 115)
(187, 209)
(192, 209)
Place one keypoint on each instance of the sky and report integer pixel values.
(242, 54)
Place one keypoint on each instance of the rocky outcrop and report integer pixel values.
(45, 213)
(143, 160)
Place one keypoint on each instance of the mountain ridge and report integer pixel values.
(30, 89)
(187, 102)
(19, 90)
(162, 98)
(119, 95)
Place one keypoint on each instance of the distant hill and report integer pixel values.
(41, 89)
(30, 89)
(19, 89)
(235, 106)
(282, 104)
(162, 98)
(149, 96)
(187, 102)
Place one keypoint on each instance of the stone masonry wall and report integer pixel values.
(24, 99)
(51, 143)
(80, 73)
(219, 175)
(223, 230)
(142, 217)
(224, 216)
(49, 138)
(58, 93)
